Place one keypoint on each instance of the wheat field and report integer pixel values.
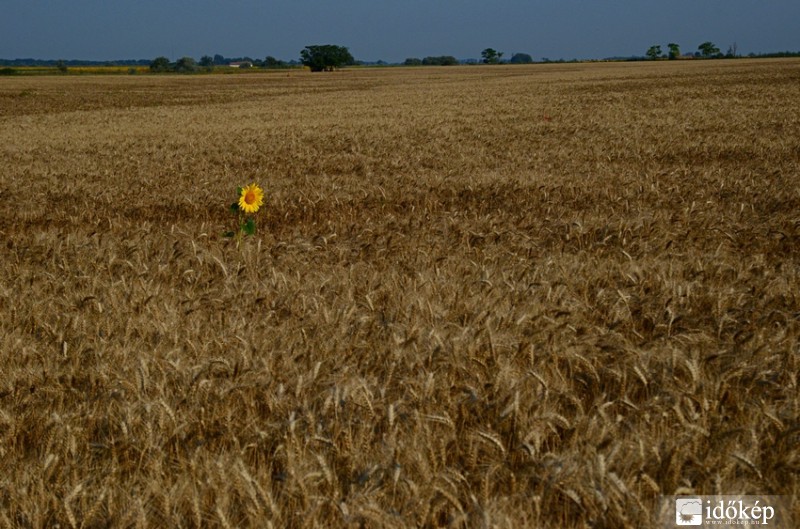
(513, 296)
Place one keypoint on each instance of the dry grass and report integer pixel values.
(480, 297)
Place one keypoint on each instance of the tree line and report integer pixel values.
(207, 63)
(706, 50)
(488, 56)
(318, 58)
(329, 57)
(325, 57)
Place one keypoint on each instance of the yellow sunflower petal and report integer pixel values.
(251, 199)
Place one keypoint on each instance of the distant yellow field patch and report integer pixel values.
(93, 70)
(107, 69)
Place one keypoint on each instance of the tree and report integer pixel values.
(207, 62)
(674, 51)
(62, 66)
(326, 57)
(160, 64)
(412, 61)
(521, 58)
(272, 62)
(186, 65)
(441, 60)
(654, 52)
(708, 50)
(491, 56)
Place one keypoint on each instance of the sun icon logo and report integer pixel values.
(688, 511)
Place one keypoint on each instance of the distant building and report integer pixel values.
(241, 64)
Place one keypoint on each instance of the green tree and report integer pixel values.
(654, 52)
(412, 61)
(674, 51)
(160, 64)
(491, 56)
(521, 58)
(326, 57)
(441, 60)
(62, 66)
(708, 50)
(207, 62)
(272, 62)
(186, 65)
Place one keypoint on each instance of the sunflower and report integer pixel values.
(251, 199)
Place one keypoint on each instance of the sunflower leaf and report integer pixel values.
(249, 227)
(239, 191)
(235, 207)
(229, 234)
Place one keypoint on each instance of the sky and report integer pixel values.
(389, 30)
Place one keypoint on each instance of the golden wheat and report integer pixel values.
(479, 297)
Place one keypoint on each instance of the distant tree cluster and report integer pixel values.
(521, 58)
(182, 65)
(706, 50)
(441, 60)
(273, 63)
(329, 57)
(71, 63)
(160, 65)
(325, 57)
(488, 56)
(207, 63)
(774, 54)
(654, 52)
(491, 56)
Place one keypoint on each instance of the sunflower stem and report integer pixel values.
(240, 231)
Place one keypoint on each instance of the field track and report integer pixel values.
(512, 296)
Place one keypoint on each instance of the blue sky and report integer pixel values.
(389, 30)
